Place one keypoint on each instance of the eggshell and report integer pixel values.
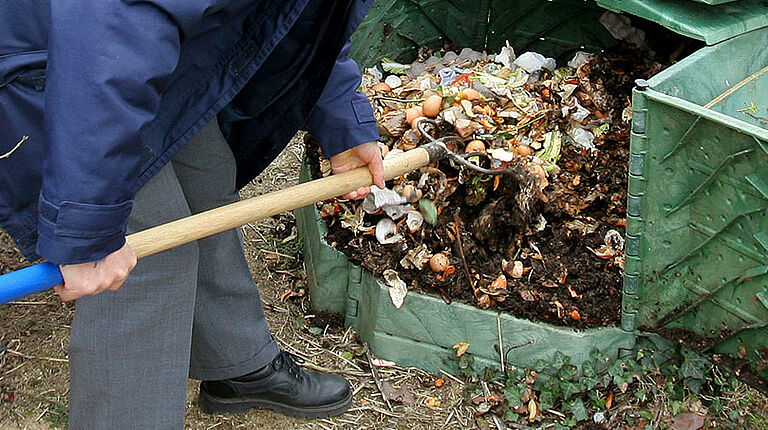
(439, 262)
(381, 87)
(524, 150)
(474, 146)
(471, 94)
(413, 113)
(432, 106)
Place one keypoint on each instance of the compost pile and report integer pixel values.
(542, 241)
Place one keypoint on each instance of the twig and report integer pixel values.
(279, 254)
(32, 357)
(499, 423)
(736, 87)
(375, 409)
(39, 417)
(554, 412)
(18, 145)
(14, 369)
(313, 366)
(448, 420)
(376, 376)
(457, 231)
(452, 377)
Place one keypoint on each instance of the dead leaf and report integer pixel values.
(460, 348)
(609, 400)
(533, 410)
(528, 295)
(742, 351)
(687, 421)
(484, 301)
(400, 395)
(380, 362)
(292, 293)
(432, 402)
(393, 124)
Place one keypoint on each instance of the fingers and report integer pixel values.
(376, 166)
(92, 278)
(358, 194)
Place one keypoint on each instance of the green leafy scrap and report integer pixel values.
(393, 66)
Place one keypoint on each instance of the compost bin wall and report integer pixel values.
(697, 241)
(422, 332)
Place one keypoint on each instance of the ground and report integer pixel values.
(34, 336)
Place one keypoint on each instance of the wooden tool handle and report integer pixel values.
(204, 224)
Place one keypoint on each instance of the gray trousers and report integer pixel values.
(193, 311)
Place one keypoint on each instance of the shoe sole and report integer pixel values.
(217, 405)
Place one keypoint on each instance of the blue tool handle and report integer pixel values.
(29, 280)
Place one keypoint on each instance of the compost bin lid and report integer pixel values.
(710, 23)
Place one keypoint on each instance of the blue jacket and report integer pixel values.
(107, 91)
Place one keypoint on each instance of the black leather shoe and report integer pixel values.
(281, 386)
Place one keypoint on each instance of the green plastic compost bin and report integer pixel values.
(697, 228)
(698, 241)
(422, 332)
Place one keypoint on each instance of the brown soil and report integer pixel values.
(567, 284)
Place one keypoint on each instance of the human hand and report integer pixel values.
(93, 277)
(367, 154)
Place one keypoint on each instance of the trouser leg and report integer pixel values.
(230, 336)
(129, 349)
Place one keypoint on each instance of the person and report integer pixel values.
(120, 115)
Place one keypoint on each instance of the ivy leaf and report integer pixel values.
(547, 400)
(588, 382)
(560, 360)
(570, 388)
(618, 368)
(568, 372)
(694, 384)
(578, 410)
(694, 366)
(514, 394)
(511, 416)
(316, 330)
(588, 369)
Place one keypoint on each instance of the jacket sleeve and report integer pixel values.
(343, 117)
(108, 63)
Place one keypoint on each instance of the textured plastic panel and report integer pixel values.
(714, 1)
(422, 332)
(398, 28)
(712, 24)
(702, 198)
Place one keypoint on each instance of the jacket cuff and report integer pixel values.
(73, 233)
(335, 140)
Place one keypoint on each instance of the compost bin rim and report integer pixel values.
(686, 26)
(728, 121)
